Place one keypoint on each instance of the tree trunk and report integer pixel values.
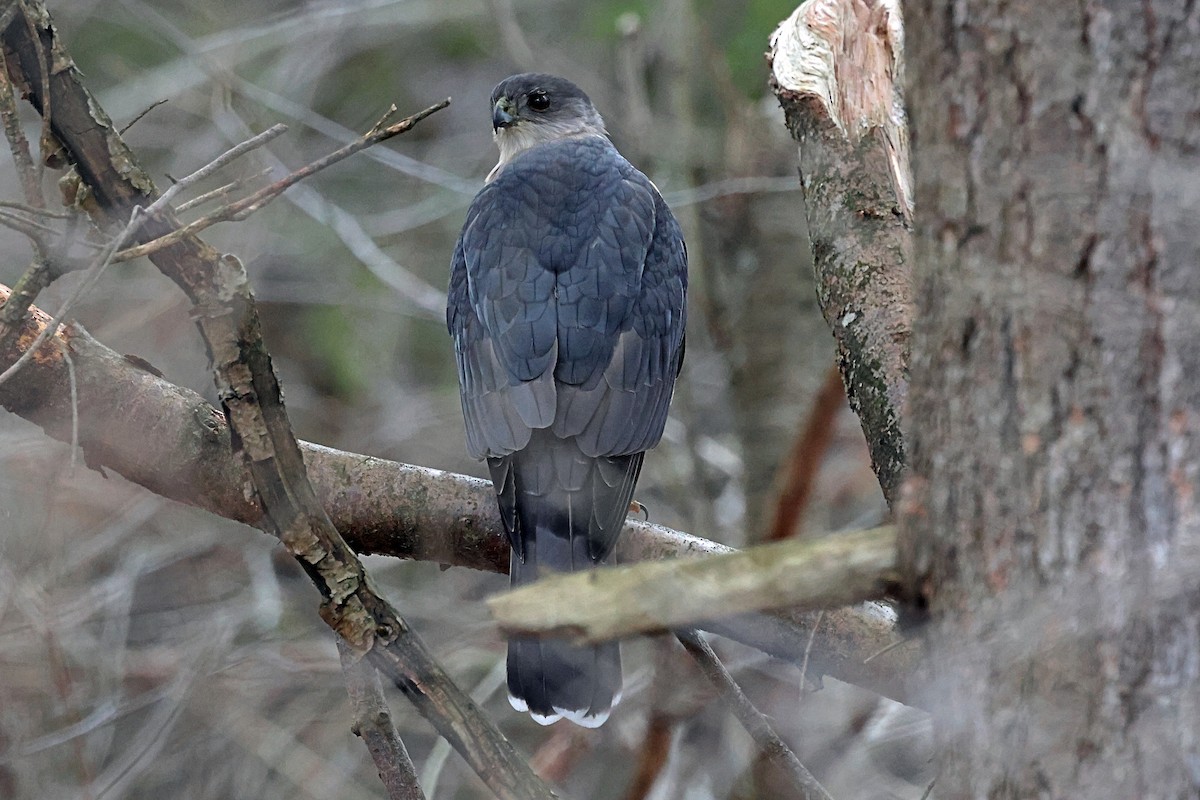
(1052, 512)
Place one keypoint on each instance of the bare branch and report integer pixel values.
(230, 155)
(220, 191)
(35, 211)
(425, 299)
(373, 722)
(646, 598)
(798, 473)
(242, 208)
(89, 280)
(757, 725)
(17, 142)
(212, 54)
(34, 230)
(136, 216)
(38, 276)
(727, 187)
(46, 140)
(138, 117)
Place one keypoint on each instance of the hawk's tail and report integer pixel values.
(564, 513)
(551, 678)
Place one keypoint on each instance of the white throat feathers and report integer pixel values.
(516, 139)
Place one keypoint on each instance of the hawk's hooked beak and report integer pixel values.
(503, 115)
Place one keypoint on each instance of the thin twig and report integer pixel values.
(35, 211)
(812, 635)
(217, 163)
(17, 142)
(373, 722)
(48, 264)
(425, 299)
(928, 790)
(731, 186)
(220, 191)
(74, 408)
(799, 473)
(753, 720)
(31, 229)
(141, 114)
(37, 277)
(883, 650)
(89, 279)
(241, 209)
(44, 68)
(136, 217)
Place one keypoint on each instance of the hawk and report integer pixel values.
(567, 306)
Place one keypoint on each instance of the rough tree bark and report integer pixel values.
(1054, 418)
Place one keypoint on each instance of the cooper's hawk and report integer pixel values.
(567, 308)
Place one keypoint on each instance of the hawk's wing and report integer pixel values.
(567, 303)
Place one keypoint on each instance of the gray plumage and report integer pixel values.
(567, 308)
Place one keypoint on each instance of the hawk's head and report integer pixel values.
(532, 108)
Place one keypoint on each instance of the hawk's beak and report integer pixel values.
(502, 116)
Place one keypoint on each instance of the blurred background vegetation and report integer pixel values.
(150, 650)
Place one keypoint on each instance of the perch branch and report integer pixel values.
(837, 69)
(169, 440)
(616, 602)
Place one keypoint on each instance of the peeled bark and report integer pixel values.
(837, 67)
(1054, 420)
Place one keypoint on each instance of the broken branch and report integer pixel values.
(837, 67)
(615, 602)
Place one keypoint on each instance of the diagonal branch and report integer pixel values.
(797, 476)
(373, 722)
(253, 404)
(753, 720)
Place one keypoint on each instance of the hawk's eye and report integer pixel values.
(539, 100)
